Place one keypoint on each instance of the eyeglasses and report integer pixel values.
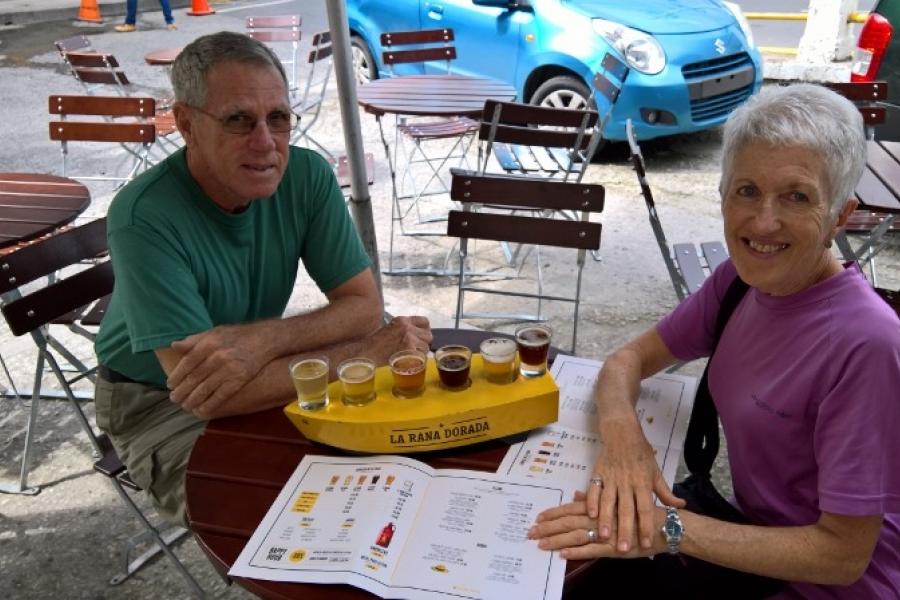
(241, 123)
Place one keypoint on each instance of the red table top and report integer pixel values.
(163, 56)
(32, 205)
(239, 465)
(432, 95)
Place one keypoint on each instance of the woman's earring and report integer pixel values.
(829, 243)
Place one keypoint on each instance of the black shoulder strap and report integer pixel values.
(702, 442)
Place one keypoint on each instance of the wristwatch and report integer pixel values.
(673, 530)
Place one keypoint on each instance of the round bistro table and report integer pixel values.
(33, 205)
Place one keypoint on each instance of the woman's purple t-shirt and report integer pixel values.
(808, 390)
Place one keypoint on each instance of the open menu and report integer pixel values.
(565, 451)
(398, 528)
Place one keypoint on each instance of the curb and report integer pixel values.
(70, 13)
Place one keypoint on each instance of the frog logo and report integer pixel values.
(297, 555)
(440, 568)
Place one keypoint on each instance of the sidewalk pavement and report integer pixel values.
(23, 12)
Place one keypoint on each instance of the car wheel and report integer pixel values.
(363, 63)
(562, 92)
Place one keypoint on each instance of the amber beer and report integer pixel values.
(533, 342)
(357, 377)
(453, 364)
(498, 358)
(408, 369)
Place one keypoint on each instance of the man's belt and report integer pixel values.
(113, 376)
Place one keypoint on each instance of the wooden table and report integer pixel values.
(239, 465)
(162, 56)
(439, 96)
(432, 95)
(32, 205)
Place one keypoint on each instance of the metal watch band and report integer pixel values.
(673, 530)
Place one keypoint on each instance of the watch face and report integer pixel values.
(673, 529)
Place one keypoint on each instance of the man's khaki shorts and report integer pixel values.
(153, 437)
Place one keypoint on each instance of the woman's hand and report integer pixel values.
(621, 492)
(569, 529)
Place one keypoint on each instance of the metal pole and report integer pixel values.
(360, 202)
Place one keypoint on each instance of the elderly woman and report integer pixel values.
(805, 377)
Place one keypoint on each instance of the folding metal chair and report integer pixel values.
(433, 143)
(135, 136)
(32, 311)
(688, 268)
(877, 228)
(279, 29)
(538, 194)
(100, 71)
(309, 104)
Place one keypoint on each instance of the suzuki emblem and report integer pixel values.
(720, 46)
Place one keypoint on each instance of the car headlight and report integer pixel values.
(742, 21)
(641, 50)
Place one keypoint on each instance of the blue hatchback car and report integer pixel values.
(691, 61)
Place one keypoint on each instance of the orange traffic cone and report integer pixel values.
(89, 11)
(200, 8)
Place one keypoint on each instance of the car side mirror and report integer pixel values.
(507, 4)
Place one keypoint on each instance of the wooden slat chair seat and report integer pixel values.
(136, 135)
(33, 310)
(543, 196)
(276, 31)
(688, 265)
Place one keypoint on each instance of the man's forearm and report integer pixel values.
(344, 319)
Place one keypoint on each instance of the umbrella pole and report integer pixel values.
(360, 202)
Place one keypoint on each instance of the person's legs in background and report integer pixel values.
(130, 17)
(167, 14)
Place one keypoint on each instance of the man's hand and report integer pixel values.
(403, 333)
(214, 365)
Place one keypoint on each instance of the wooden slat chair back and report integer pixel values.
(473, 190)
(279, 29)
(436, 44)
(688, 268)
(309, 102)
(607, 86)
(94, 69)
(75, 42)
(869, 97)
(529, 139)
(73, 287)
(136, 135)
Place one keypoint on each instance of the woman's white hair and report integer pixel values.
(806, 115)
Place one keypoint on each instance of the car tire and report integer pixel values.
(364, 67)
(562, 91)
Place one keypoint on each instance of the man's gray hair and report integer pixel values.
(194, 62)
(806, 115)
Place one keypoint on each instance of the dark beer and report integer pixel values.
(453, 363)
(533, 342)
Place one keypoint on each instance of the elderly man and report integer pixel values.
(205, 248)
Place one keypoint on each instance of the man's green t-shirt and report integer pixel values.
(183, 265)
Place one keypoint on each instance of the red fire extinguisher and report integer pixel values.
(384, 538)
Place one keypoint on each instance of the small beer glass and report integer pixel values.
(498, 358)
(357, 377)
(408, 369)
(534, 344)
(310, 376)
(453, 364)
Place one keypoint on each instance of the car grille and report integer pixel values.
(715, 107)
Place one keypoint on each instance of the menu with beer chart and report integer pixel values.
(565, 451)
(400, 529)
